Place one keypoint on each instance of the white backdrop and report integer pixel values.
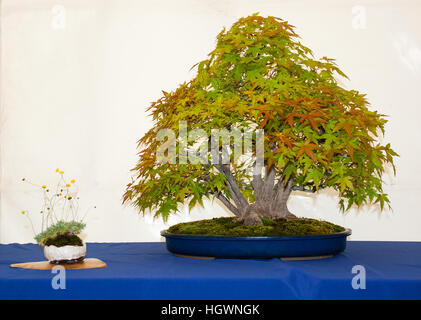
(77, 76)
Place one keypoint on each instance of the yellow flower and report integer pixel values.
(57, 170)
(73, 181)
(61, 172)
(69, 197)
(23, 212)
(67, 184)
(44, 186)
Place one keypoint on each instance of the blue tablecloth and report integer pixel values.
(148, 271)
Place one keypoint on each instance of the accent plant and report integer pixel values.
(60, 223)
(317, 134)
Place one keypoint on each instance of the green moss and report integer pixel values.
(64, 240)
(279, 227)
(60, 227)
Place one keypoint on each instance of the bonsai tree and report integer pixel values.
(317, 134)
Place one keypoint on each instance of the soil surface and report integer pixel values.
(64, 240)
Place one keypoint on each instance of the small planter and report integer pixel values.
(65, 254)
(256, 247)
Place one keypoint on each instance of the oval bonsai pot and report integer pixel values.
(256, 247)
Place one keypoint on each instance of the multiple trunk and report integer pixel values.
(270, 197)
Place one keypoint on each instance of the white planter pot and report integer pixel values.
(65, 254)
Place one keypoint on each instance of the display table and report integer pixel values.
(149, 271)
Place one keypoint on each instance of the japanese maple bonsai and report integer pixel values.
(317, 134)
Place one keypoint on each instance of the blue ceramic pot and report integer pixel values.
(256, 247)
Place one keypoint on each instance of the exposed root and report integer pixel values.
(291, 216)
(253, 220)
(253, 214)
(238, 218)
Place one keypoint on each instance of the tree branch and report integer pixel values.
(233, 186)
(282, 193)
(269, 183)
(227, 204)
(257, 183)
(301, 188)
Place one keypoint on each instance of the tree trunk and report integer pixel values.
(270, 198)
(275, 208)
